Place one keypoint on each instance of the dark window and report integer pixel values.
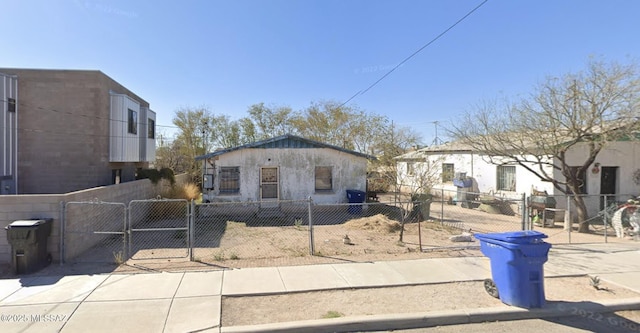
(447, 172)
(132, 122)
(152, 129)
(506, 176)
(11, 103)
(229, 179)
(323, 178)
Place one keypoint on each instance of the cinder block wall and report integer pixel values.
(26, 207)
(37, 206)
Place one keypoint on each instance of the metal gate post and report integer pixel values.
(62, 222)
(312, 250)
(524, 211)
(442, 206)
(190, 229)
(128, 233)
(606, 220)
(570, 220)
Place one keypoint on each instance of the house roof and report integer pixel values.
(449, 147)
(287, 141)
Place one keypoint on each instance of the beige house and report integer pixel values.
(67, 130)
(287, 167)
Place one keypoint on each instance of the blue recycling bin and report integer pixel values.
(516, 266)
(355, 196)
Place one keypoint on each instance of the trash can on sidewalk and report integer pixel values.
(516, 266)
(28, 240)
(355, 196)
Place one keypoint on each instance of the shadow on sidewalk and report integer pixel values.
(592, 316)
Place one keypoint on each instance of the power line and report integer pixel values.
(362, 92)
(84, 115)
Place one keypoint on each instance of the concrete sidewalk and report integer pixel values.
(191, 301)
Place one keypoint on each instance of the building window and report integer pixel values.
(132, 122)
(323, 178)
(152, 129)
(229, 179)
(447, 172)
(506, 175)
(11, 104)
(411, 168)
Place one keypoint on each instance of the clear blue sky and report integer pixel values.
(228, 55)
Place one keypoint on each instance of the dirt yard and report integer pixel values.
(250, 310)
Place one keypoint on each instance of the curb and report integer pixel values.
(439, 318)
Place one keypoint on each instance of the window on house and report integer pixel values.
(229, 179)
(447, 172)
(152, 129)
(324, 181)
(411, 168)
(582, 178)
(11, 104)
(132, 122)
(506, 176)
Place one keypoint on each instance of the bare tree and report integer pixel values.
(582, 111)
(416, 175)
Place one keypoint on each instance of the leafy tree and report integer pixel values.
(268, 121)
(192, 139)
(342, 126)
(583, 111)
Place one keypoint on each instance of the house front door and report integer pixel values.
(269, 184)
(608, 182)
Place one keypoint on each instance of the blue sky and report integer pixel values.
(228, 55)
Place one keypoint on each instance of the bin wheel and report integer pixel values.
(491, 288)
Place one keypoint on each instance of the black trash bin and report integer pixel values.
(355, 196)
(28, 240)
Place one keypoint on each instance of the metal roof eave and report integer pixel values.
(265, 144)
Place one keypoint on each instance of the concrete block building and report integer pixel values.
(68, 130)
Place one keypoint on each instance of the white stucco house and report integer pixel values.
(616, 171)
(287, 167)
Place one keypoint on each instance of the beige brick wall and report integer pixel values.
(64, 130)
(25, 207)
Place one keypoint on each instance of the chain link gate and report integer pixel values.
(159, 229)
(94, 232)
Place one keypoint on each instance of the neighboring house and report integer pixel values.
(67, 130)
(287, 167)
(616, 171)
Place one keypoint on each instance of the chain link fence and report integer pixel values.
(94, 232)
(593, 223)
(158, 229)
(226, 232)
(243, 234)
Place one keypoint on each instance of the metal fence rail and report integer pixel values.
(291, 232)
(252, 230)
(158, 229)
(94, 231)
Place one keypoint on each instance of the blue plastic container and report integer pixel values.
(355, 196)
(517, 260)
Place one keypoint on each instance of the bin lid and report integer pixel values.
(517, 237)
(25, 223)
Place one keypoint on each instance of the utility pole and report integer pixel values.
(436, 140)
